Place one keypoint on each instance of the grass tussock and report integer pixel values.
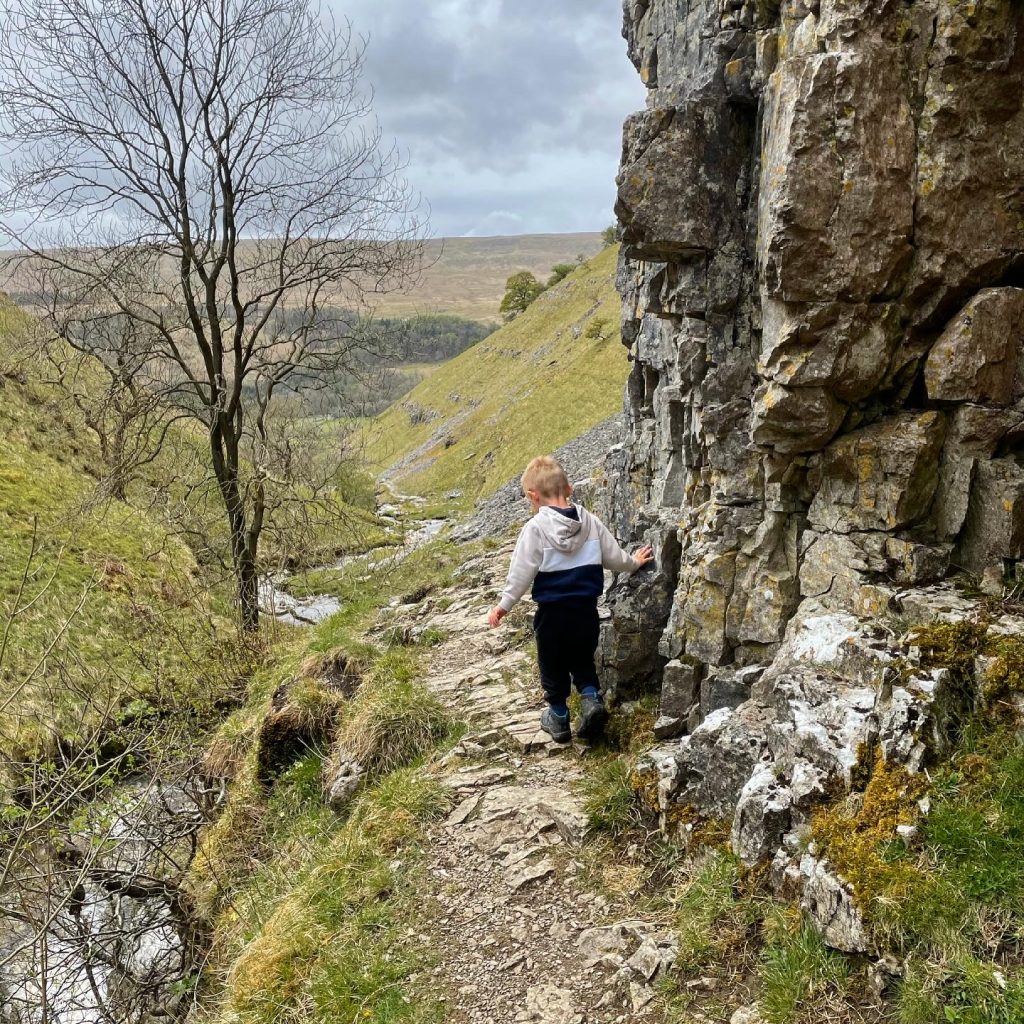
(392, 722)
(798, 974)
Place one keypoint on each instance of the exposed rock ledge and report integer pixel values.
(822, 277)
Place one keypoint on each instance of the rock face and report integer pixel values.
(822, 273)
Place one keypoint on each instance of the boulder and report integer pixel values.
(762, 817)
(660, 210)
(714, 763)
(342, 778)
(993, 529)
(828, 902)
(680, 690)
(882, 477)
(977, 356)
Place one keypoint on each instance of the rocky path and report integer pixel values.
(519, 936)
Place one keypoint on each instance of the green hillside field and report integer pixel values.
(555, 371)
(103, 612)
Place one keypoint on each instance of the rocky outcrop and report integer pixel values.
(823, 297)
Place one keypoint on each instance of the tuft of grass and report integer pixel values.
(714, 914)
(796, 969)
(392, 722)
(963, 990)
(610, 799)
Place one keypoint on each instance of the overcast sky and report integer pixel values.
(510, 110)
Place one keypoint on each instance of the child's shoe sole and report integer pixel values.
(592, 719)
(557, 728)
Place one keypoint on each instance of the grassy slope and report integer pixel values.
(110, 612)
(537, 386)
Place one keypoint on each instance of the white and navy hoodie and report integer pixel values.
(564, 553)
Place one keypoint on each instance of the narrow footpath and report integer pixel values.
(520, 939)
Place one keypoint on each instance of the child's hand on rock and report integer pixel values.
(644, 555)
(495, 616)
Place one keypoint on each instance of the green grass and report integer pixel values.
(319, 932)
(965, 933)
(527, 389)
(609, 799)
(109, 608)
(710, 919)
(796, 970)
(309, 908)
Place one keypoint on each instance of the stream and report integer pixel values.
(99, 930)
(312, 610)
(105, 934)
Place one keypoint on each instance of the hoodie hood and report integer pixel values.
(560, 531)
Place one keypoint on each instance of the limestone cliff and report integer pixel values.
(823, 295)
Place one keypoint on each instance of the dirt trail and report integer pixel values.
(520, 938)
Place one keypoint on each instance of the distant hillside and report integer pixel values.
(467, 276)
(463, 276)
(548, 376)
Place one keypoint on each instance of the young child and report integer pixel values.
(563, 551)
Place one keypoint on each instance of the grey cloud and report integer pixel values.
(510, 107)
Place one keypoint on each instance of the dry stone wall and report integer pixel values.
(822, 274)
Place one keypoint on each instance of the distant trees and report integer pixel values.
(204, 175)
(431, 337)
(522, 287)
(611, 235)
(520, 290)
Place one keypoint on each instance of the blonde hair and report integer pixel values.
(545, 476)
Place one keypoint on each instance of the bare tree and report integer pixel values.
(129, 421)
(206, 172)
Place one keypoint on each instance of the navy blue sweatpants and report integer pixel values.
(566, 633)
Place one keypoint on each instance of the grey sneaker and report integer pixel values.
(555, 726)
(592, 718)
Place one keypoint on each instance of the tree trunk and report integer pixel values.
(244, 562)
(248, 590)
(243, 542)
